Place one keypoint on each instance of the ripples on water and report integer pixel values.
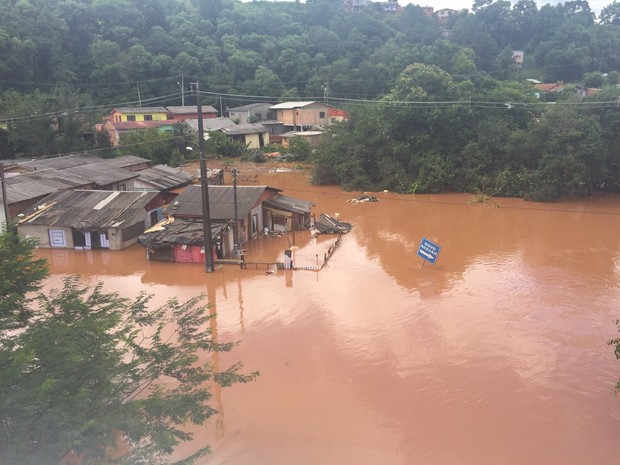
(495, 355)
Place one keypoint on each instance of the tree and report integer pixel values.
(299, 148)
(92, 371)
(159, 147)
(20, 274)
(611, 14)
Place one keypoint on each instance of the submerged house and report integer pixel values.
(180, 236)
(182, 240)
(91, 219)
(25, 190)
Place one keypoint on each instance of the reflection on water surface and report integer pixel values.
(495, 355)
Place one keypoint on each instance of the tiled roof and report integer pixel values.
(552, 87)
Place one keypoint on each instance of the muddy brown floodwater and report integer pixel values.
(495, 355)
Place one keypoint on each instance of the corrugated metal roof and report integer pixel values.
(221, 201)
(251, 106)
(289, 204)
(181, 231)
(29, 186)
(59, 163)
(210, 124)
(190, 109)
(125, 161)
(163, 177)
(85, 209)
(103, 174)
(291, 105)
(141, 110)
(301, 133)
(249, 128)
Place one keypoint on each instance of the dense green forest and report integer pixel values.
(433, 106)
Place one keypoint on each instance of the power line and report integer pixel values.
(345, 101)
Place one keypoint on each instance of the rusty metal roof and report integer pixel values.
(221, 201)
(89, 209)
(181, 231)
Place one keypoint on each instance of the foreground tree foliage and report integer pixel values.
(93, 373)
(20, 275)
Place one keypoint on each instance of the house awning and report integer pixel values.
(277, 212)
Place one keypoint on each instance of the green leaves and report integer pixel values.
(91, 370)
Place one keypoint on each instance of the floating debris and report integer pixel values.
(329, 225)
(363, 199)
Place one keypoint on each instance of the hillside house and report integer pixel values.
(251, 135)
(251, 113)
(443, 15)
(132, 114)
(302, 116)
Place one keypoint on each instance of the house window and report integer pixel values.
(321, 114)
(148, 117)
(117, 118)
(57, 238)
(258, 116)
(131, 117)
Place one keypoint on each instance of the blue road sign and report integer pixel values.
(428, 251)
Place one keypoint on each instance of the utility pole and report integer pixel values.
(204, 187)
(236, 231)
(182, 86)
(5, 202)
(325, 91)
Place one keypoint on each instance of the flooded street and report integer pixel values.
(497, 354)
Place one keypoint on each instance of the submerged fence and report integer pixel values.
(243, 264)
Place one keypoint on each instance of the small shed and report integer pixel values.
(252, 135)
(90, 219)
(283, 213)
(182, 240)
